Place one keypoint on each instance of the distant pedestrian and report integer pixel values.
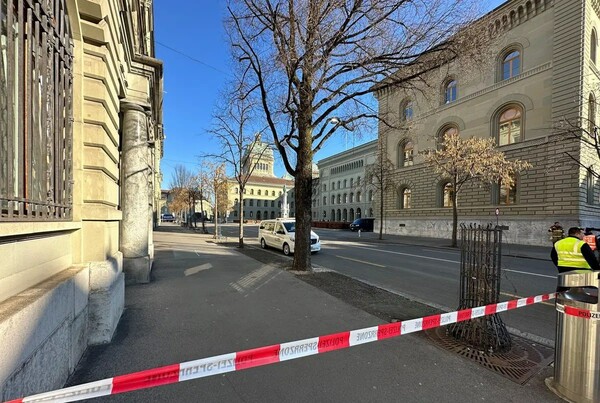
(573, 253)
(556, 232)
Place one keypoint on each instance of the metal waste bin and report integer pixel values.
(577, 351)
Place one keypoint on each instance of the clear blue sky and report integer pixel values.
(191, 42)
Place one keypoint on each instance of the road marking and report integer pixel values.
(359, 261)
(531, 274)
(410, 254)
(519, 297)
(453, 261)
(197, 269)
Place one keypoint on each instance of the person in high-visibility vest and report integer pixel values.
(573, 253)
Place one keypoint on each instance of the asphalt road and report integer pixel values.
(429, 275)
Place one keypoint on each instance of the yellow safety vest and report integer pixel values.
(569, 253)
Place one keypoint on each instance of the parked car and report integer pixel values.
(363, 224)
(281, 234)
(167, 217)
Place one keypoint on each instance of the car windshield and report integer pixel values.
(290, 226)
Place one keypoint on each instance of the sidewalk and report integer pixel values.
(208, 299)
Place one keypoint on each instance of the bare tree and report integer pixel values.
(213, 175)
(475, 159)
(241, 151)
(186, 191)
(583, 132)
(313, 63)
(378, 177)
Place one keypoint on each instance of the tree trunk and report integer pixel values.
(203, 217)
(303, 192)
(241, 215)
(454, 216)
(381, 215)
(216, 218)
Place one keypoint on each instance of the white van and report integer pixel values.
(281, 233)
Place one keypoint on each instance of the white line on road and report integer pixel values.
(359, 261)
(453, 261)
(409, 254)
(197, 269)
(531, 274)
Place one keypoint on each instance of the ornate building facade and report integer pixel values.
(264, 192)
(80, 144)
(341, 193)
(539, 76)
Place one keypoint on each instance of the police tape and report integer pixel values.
(270, 354)
(580, 313)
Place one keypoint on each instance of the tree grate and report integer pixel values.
(519, 364)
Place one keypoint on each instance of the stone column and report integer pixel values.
(135, 193)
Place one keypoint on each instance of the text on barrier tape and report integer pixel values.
(272, 354)
(580, 313)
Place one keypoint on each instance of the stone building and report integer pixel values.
(341, 193)
(80, 145)
(539, 74)
(263, 195)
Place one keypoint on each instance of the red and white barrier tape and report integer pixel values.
(270, 354)
(580, 313)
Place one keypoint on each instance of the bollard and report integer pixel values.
(576, 354)
(359, 232)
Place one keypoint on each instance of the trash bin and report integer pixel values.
(577, 350)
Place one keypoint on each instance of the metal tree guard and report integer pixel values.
(480, 256)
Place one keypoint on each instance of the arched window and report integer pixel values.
(445, 131)
(324, 200)
(589, 187)
(450, 91)
(345, 182)
(273, 193)
(358, 197)
(406, 154)
(507, 194)
(406, 111)
(510, 125)
(447, 194)
(591, 114)
(251, 191)
(351, 182)
(511, 64)
(405, 198)
(332, 199)
(345, 198)
(351, 197)
(339, 198)
(370, 195)
(259, 192)
(593, 46)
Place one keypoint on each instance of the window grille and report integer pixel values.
(36, 55)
